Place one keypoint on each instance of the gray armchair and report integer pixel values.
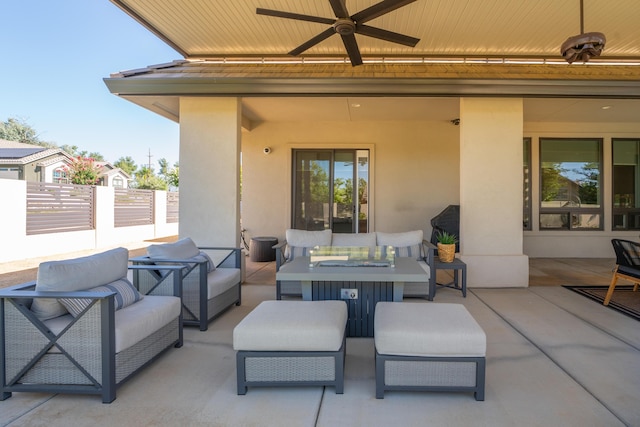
(94, 349)
(207, 290)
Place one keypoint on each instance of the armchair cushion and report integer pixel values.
(406, 244)
(126, 294)
(77, 274)
(183, 249)
(133, 323)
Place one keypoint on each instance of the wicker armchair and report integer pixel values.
(207, 291)
(88, 353)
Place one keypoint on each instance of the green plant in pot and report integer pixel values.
(446, 246)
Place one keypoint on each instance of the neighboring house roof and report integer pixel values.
(109, 170)
(12, 152)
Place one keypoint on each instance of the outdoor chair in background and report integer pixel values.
(627, 265)
(208, 288)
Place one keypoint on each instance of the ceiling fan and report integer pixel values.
(348, 25)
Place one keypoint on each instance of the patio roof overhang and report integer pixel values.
(158, 87)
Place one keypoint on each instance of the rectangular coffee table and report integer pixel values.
(360, 287)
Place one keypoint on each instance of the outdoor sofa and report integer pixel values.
(406, 244)
(208, 289)
(83, 328)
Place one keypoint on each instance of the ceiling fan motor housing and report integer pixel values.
(344, 26)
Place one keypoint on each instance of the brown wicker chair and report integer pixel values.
(627, 265)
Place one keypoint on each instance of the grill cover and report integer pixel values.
(448, 220)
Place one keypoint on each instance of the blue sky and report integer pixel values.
(53, 58)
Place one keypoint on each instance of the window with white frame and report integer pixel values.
(118, 182)
(60, 176)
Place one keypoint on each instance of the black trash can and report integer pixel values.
(261, 249)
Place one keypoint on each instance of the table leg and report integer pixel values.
(398, 291)
(306, 290)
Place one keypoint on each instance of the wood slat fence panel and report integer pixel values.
(133, 207)
(56, 208)
(173, 204)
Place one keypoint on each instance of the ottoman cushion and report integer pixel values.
(292, 326)
(427, 330)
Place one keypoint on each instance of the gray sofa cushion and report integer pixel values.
(77, 275)
(300, 241)
(354, 239)
(407, 244)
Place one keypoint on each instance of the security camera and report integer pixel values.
(266, 150)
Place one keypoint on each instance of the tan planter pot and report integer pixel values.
(446, 253)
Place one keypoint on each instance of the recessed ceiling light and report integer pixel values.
(355, 105)
(606, 107)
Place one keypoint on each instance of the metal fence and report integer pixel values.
(173, 203)
(133, 207)
(55, 208)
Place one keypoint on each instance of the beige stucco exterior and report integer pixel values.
(418, 165)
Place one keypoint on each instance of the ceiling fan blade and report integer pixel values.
(389, 36)
(289, 15)
(312, 42)
(339, 8)
(379, 9)
(352, 49)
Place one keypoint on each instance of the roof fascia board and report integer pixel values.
(372, 87)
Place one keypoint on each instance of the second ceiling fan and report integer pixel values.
(348, 25)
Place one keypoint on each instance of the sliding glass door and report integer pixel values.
(331, 190)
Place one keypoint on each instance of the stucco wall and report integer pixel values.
(417, 179)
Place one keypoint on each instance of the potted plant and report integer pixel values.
(446, 246)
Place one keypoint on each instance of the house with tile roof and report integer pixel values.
(36, 163)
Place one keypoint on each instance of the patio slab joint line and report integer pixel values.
(586, 320)
(548, 356)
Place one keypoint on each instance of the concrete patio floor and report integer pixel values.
(554, 358)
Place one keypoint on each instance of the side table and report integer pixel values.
(261, 249)
(457, 265)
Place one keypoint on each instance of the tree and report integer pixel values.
(164, 166)
(84, 171)
(126, 164)
(18, 130)
(147, 180)
(173, 176)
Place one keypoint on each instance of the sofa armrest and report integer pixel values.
(233, 259)
(168, 277)
(280, 258)
(429, 252)
(88, 336)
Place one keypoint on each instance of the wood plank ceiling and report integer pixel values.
(446, 28)
(471, 31)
